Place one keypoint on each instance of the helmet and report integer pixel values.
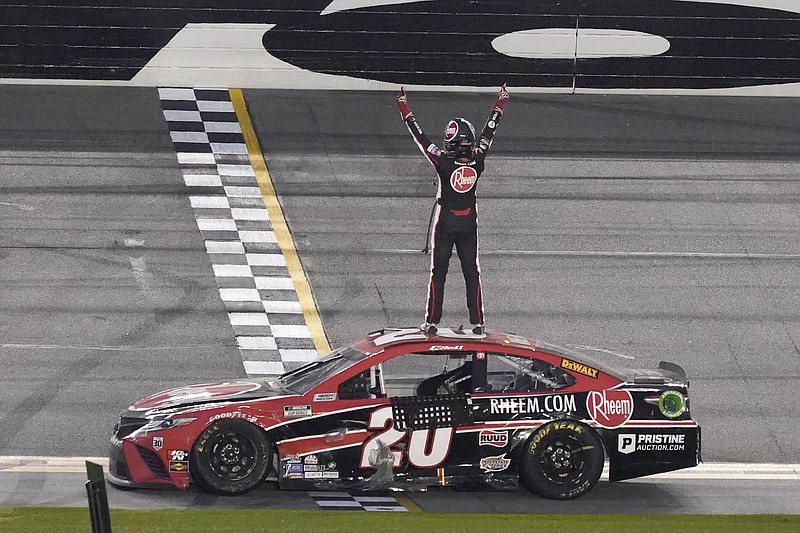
(459, 137)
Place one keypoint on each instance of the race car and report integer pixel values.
(401, 409)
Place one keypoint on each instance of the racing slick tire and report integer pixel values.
(562, 460)
(230, 457)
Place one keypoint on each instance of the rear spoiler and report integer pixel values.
(677, 370)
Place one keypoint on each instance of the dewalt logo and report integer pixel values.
(580, 368)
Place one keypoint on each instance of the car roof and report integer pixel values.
(378, 341)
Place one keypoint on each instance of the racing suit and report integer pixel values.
(455, 216)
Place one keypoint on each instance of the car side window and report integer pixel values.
(512, 373)
(427, 374)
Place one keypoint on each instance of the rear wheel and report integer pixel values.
(562, 460)
(230, 457)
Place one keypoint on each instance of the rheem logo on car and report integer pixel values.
(610, 408)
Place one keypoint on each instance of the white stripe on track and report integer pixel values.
(600, 253)
(731, 471)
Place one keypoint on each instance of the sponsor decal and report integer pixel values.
(178, 466)
(158, 443)
(178, 455)
(330, 475)
(234, 414)
(433, 149)
(491, 124)
(325, 397)
(296, 411)
(580, 368)
(533, 405)
(295, 467)
(442, 347)
(480, 356)
(312, 475)
(496, 463)
(331, 466)
(632, 442)
(310, 460)
(451, 131)
(491, 437)
(313, 468)
(463, 179)
(610, 408)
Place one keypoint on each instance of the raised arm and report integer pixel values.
(430, 150)
(487, 135)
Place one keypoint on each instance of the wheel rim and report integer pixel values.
(233, 456)
(563, 460)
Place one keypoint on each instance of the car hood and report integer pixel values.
(192, 395)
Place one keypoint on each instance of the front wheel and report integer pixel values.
(230, 457)
(562, 460)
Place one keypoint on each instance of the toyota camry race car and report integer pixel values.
(402, 409)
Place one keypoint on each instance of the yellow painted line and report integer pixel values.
(279, 226)
(406, 502)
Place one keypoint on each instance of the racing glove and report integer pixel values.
(502, 98)
(402, 103)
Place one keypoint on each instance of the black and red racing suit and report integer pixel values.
(456, 216)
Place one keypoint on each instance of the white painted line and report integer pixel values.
(223, 127)
(292, 332)
(189, 137)
(243, 213)
(192, 158)
(385, 508)
(224, 247)
(229, 148)
(236, 170)
(243, 192)
(298, 356)
(275, 284)
(731, 471)
(168, 93)
(172, 115)
(258, 236)
(338, 503)
(239, 295)
(375, 499)
(272, 306)
(232, 271)
(256, 343)
(264, 367)
(216, 224)
(266, 259)
(224, 106)
(249, 319)
(600, 253)
(209, 202)
(202, 180)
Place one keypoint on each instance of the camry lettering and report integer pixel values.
(532, 405)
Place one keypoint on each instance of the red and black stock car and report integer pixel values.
(402, 409)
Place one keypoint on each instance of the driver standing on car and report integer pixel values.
(458, 165)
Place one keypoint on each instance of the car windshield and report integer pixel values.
(308, 376)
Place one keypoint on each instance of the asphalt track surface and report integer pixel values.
(647, 228)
